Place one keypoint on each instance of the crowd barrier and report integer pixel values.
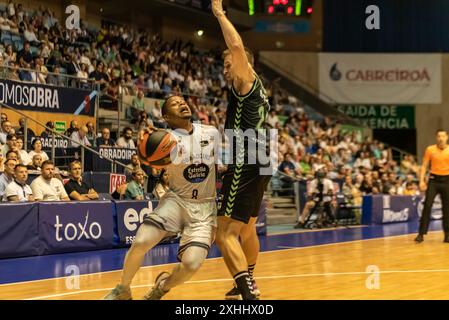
(31, 229)
(65, 153)
(380, 209)
(102, 182)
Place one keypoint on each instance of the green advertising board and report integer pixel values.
(60, 126)
(382, 116)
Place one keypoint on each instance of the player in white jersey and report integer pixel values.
(187, 208)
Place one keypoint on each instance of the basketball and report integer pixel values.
(154, 149)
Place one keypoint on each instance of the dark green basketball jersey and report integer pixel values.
(247, 114)
(249, 111)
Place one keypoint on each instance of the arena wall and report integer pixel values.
(429, 117)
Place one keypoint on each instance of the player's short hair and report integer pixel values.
(441, 130)
(249, 55)
(165, 105)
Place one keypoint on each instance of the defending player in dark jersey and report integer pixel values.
(243, 184)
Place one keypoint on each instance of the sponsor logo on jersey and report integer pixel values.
(196, 173)
(204, 143)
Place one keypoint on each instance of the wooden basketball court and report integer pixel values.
(332, 271)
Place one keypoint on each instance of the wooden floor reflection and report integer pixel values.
(385, 268)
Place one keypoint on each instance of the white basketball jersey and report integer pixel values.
(192, 171)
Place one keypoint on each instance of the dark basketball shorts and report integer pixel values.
(242, 192)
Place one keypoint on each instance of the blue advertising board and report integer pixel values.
(76, 226)
(19, 232)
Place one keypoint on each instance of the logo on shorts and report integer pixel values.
(196, 173)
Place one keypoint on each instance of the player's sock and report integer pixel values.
(244, 284)
(251, 271)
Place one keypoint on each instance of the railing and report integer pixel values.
(122, 105)
(66, 80)
(57, 134)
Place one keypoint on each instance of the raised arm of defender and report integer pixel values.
(243, 69)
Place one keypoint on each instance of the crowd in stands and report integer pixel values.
(133, 62)
(362, 166)
(118, 58)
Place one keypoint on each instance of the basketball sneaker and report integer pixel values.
(156, 292)
(119, 293)
(234, 293)
(255, 290)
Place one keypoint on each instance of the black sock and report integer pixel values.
(251, 271)
(244, 285)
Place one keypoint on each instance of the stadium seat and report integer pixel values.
(18, 45)
(6, 35)
(345, 213)
(7, 42)
(104, 196)
(34, 50)
(15, 37)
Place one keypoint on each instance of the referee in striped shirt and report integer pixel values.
(437, 156)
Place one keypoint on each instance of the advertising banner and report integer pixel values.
(381, 78)
(437, 207)
(19, 232)
(130, 215)
(46, 98)
(382, 116)
(93, 162)
(76, 226)
(115, 181)
(380, 209)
